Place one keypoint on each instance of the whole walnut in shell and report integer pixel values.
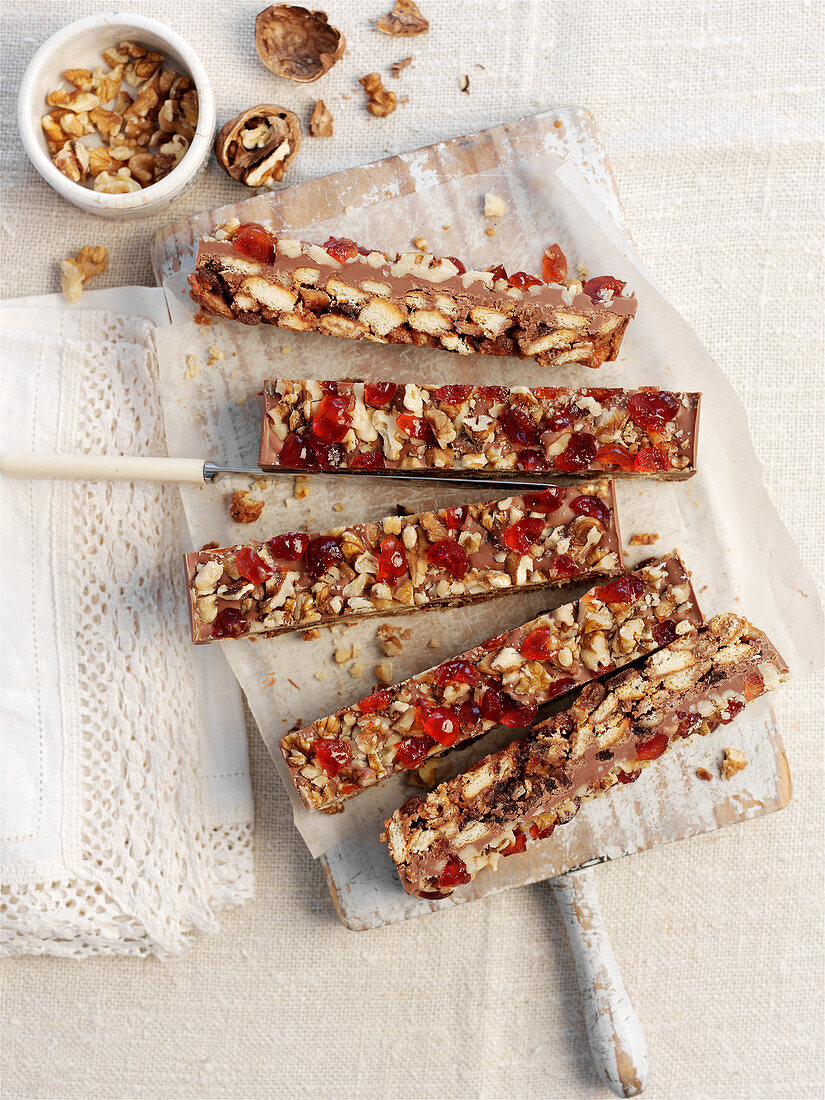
(258, 146)
(297, 43)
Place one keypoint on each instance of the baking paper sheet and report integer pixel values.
(740, 555)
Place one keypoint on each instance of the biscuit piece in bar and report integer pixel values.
(249, 274)
(370, 427)
(614, 729)
(503, 681)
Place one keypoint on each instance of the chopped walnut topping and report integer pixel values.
(734, 761)
(380, 102)
(321, 123)
(404, 21)
(76, 271)
(242, 507)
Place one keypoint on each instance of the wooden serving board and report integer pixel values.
(669, 802)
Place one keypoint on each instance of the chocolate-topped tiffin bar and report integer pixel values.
(612, 731)
(503, 681)
(374, 426)
(249, 274)
(435, 559)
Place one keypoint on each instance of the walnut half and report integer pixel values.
(296, 43)
(258, 146)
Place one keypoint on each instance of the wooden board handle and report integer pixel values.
(181, 471)
(617, 1041)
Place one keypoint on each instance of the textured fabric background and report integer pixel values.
(712, 115)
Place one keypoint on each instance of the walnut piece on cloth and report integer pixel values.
(76, 271)
(380, 102)
(404, 21)
(259, 144)
(296, 43)
(320, 125)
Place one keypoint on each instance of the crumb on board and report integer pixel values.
(420, 244)
(301, 490)
(357, 670)
(215, 355)
(391, 638)
(494, 205)
(383, 671)
(644, 538)
(242, 507)
(342, 654)
(311, 635)
(733, 761)
(338, 506)
(704, 774)
(192, 368)
(320, 674)
(397, 66)
(210, 546)
(464, 83)
(490, 231)
(433, 644)
(241, 400)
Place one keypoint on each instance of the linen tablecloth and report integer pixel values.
(712, 116)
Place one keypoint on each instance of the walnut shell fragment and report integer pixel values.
(259, 145)
(380, 102)
(320, 125)
(296, 43)
(404, 21)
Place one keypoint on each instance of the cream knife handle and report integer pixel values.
(617, 1041)
(181, 471)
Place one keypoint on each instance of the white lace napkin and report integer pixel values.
(126, 812)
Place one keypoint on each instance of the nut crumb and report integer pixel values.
(215, 355)
(404, 21)
(337, 808)
(311, 635)
(494, 206)
(426, 776)
(490, 231)
(703, 773)
(342, 655)
(286, 349)
(420, 244)
(76, 270)
(383, 671)
(356, 671)
(243, 509)
(380, 102)
(338, 506)
(464, 83)
(644, 538)
(192, 368)
(734, 761)
(240, 400)
(321, 122)
(210, 546)
(390, 639)
(320, 675)
(433, 644)
(301, 490)
(398, 66)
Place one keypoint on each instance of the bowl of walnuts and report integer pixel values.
(116, 112)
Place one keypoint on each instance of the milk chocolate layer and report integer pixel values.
(502, 681)
(341, 290)
(435, 559)
(478, 429)
(612, 731)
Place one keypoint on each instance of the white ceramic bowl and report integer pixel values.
(80, 45)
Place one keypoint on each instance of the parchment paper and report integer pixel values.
(740, 555)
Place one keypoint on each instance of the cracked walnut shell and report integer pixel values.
(404, 21)
(296, 43)
(258, 146)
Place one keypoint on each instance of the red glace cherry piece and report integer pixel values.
(413, 751)
(651, 459)
(379, 394)
(540, 644)
(327, 455)
(455, 672)
(228, 623)
(554, 265)
(564, 566)
(252, 566)
(548, 830)
(754, 686)
(469, 715)
(653, 747)
(440, 723)
(290, 546)
(522, 535)
(370, 460)
(549, 393)
(341, 248)
(624, 589)
(628, 777)
(321, 553)
(517, 715)
(519, 427)
(449, 556)
(498, 272)
(593, 507)
(458, 264)
(493, 704)
(688, 723)
(416, 427)
(599, 394)
(517, 844)
(379, 700)
(333, 418)
(731, 710)
(559, 687)
(493, 394)
(392, 559)
(578, 454)
(329, 387)
(664, 633)
(452, 395)
(454, 517)
(522, 280)
(332, 755)
(546, 501)
(614, 454)
(597, 289)
(252, 240)
(454, 874)
(651, 411)
(533, 462)
(562, 418)
(296, 453)
(494, 643)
